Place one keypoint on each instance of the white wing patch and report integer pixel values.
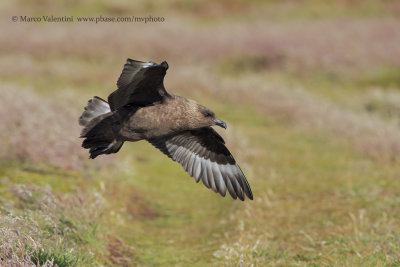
(148, 64)
(218, 177)
(203, 156)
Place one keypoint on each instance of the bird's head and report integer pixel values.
(206, 117)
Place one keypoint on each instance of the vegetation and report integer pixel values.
(310, 92)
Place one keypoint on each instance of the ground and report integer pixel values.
(310, 93)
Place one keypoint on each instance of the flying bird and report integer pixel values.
(141, 109)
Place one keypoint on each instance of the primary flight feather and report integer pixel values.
(141, 109)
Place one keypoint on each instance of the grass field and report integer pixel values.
(310, 91)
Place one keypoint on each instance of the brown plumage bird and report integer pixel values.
(141, 109)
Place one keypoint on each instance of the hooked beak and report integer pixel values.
(220, 123)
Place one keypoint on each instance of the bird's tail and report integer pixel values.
(98, 128)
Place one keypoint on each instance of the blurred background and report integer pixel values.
(311, 94)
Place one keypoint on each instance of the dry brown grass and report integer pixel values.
(301, 45)
(39, 219)
(40, 130)
(18, 254)
(369, 133)
(121, 254)
(138, 207)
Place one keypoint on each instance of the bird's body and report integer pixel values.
(141, 109)
(164, 118)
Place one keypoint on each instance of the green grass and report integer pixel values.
(317, 189)
(317, 202)
(58, 179)
(63, 259)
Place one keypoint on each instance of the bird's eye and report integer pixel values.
(207, 114)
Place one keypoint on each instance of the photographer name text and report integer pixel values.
(94, 19)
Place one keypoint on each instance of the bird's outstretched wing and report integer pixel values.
(203, 154)
(140, 83)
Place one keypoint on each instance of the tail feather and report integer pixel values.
(104, 148)
(98, 128)
(94, 123)
(96, 107)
